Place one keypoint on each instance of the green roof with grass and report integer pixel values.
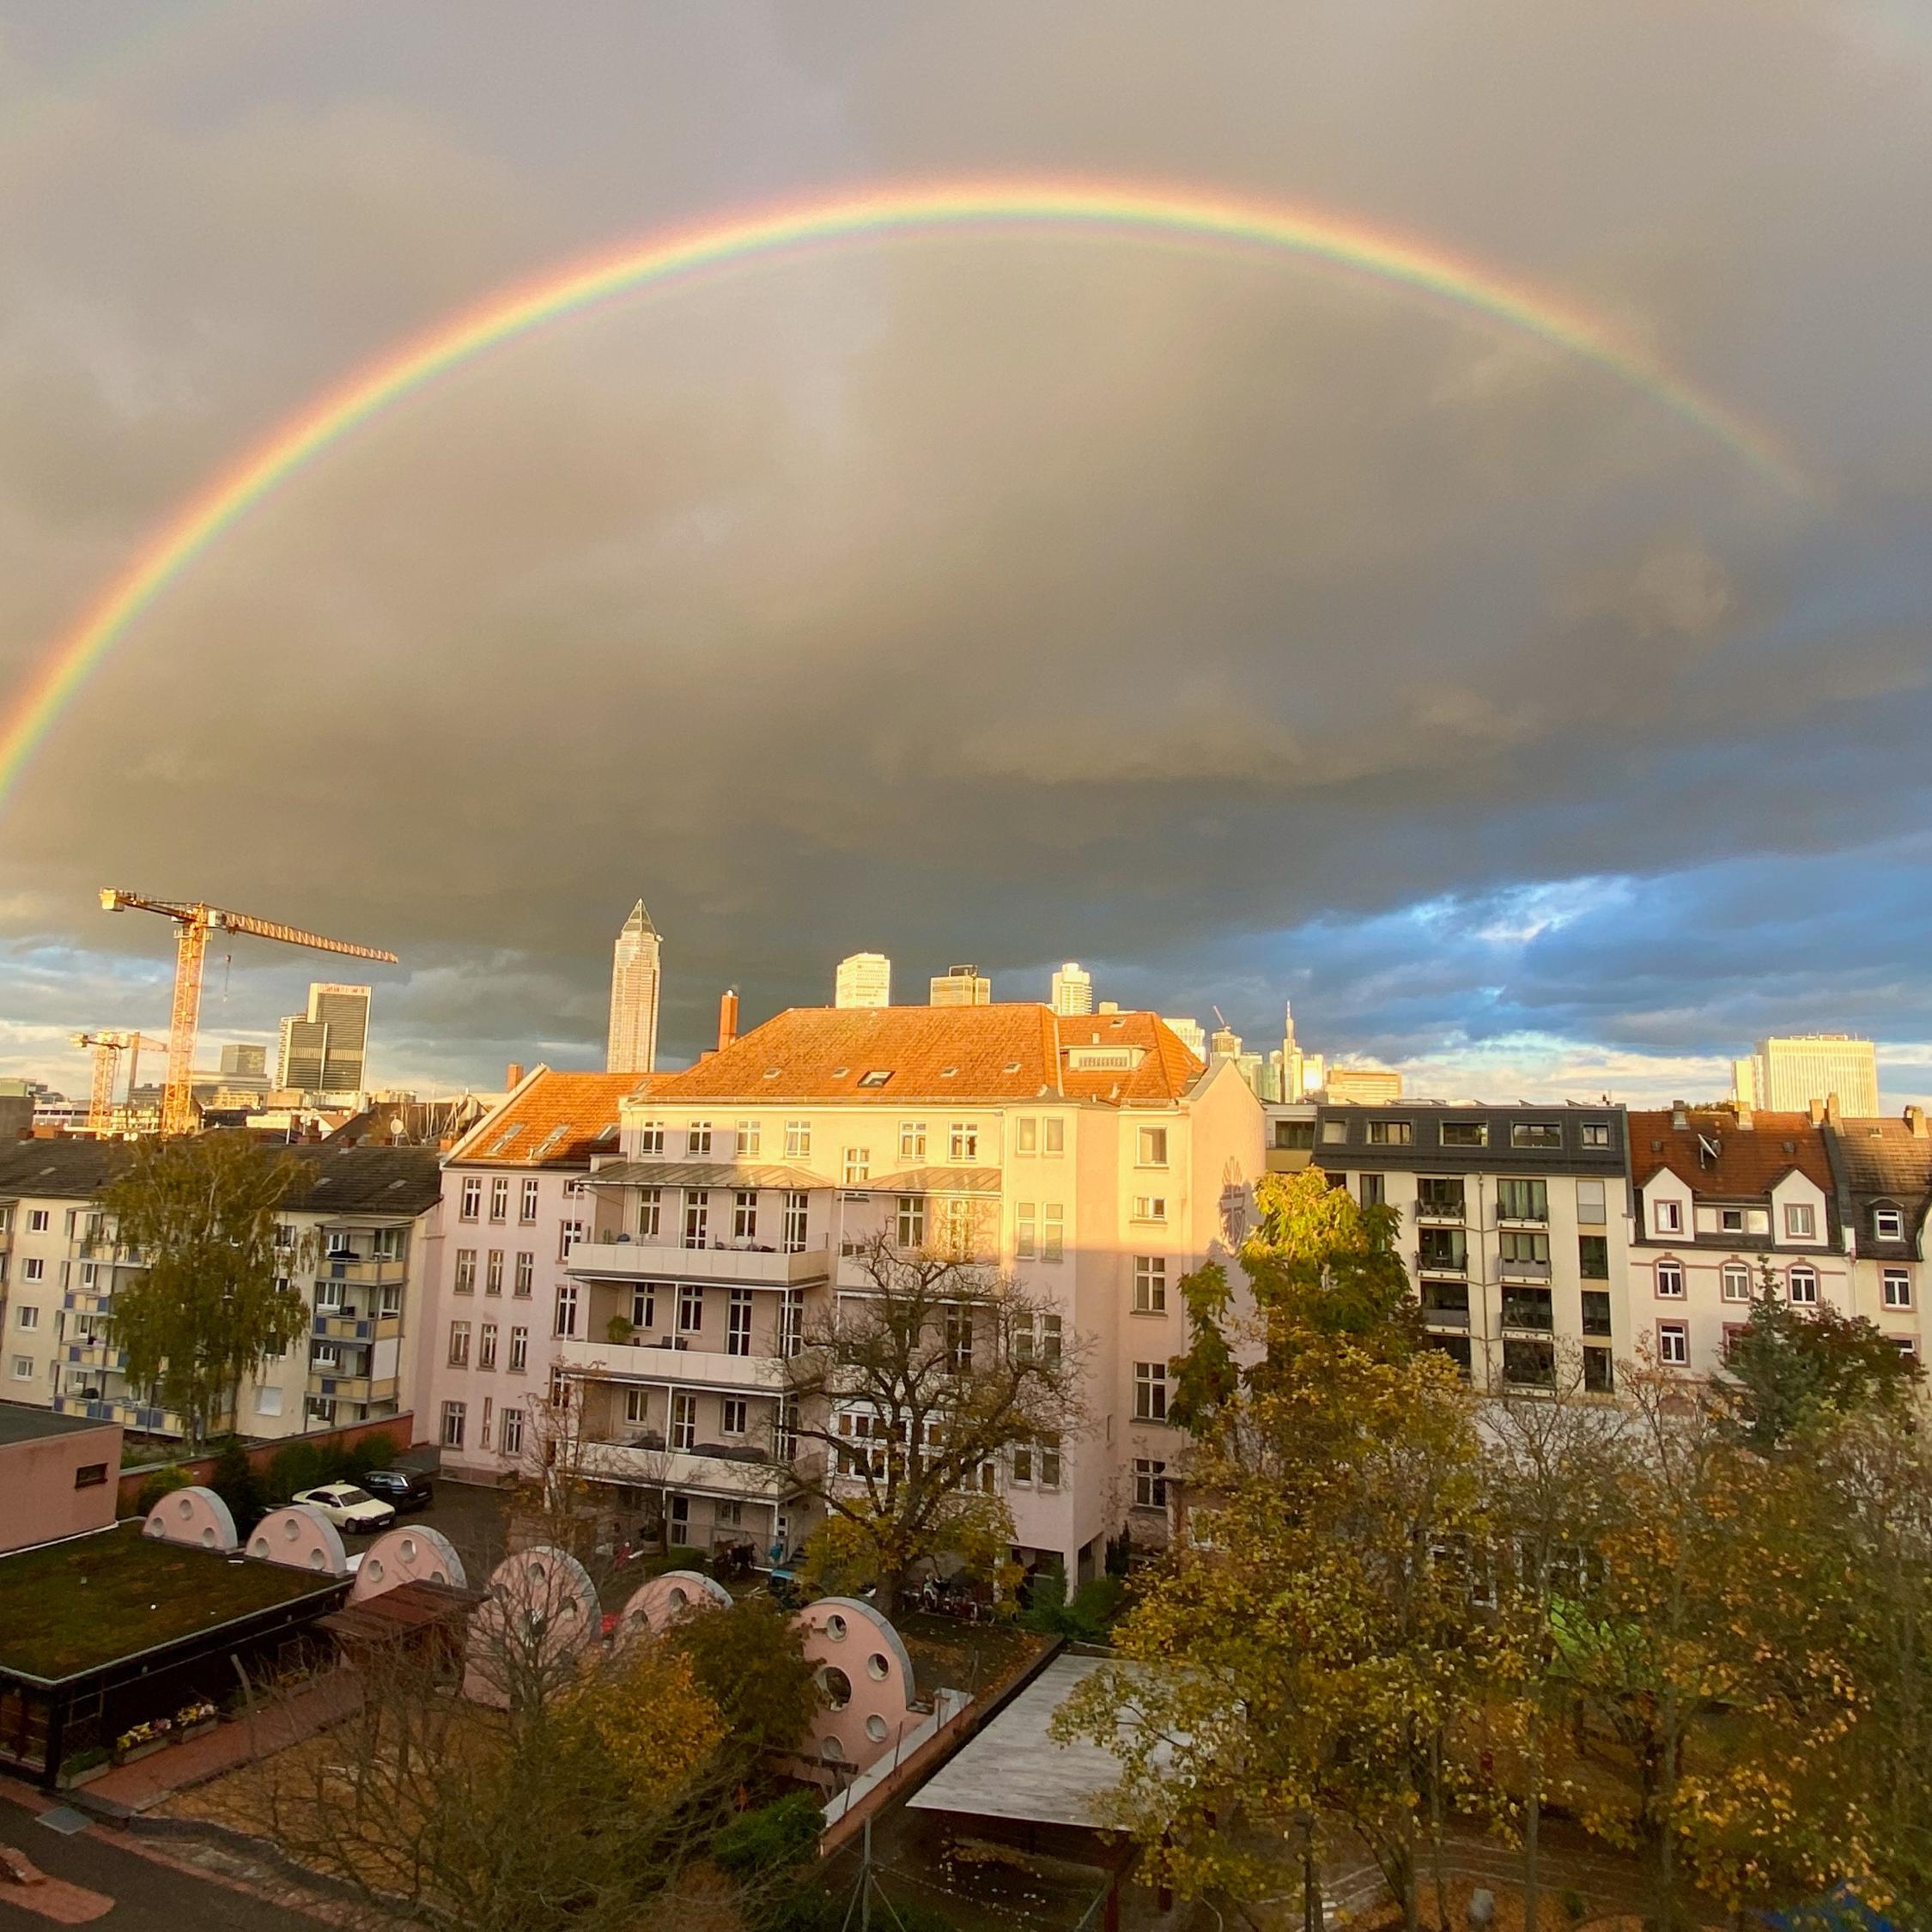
(71, 1607)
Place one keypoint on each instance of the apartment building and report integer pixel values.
(360, 1234)
(513, 1205)
(1883, 1169)
(1515, 1224)
(1095, 1158)
(1721, 1196)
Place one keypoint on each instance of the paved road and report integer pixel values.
(149, 1895)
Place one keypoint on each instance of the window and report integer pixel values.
(1150, 1284)
(1596, 1133)
(1736, 1280)
(1441, 1250)
(794, 1223)
(643, 1306)
(1522, 1201)
(1052, 1232)
(500, 1198)
(697, 1138)
(567, 1233)
(33, 1269)
(1023, 1463)
(736, 1413)
(1298, 1134)
(1673, 1343)
(1370, 1189)
(746, 1140)
(486, 1345)
(858, 1166)
(1390, 1133)
(1334, 1134)
(1803, 1284)
(1592, 1257)
(690, 1309)
(1667, 1217)
(268, 1402)
(519, 1350)
(1442, 1199)
(1536, 1134)
(875, 1077)
(1529, 1365)
(798, 1140)
(510, 1432)
(737, 1324)
(1150, 1484)
(1056, 1144)
(912, 1140)
(1026, 1136)
(650, 1212)
(527, 1212)
(1151, 1148)
(1898, 1288)
(493, 1274)
(526, 1272)
(744, 1214)
(1465, 1133)
(1049, 1462)
(637, 1405)
(1670, 1280)
(1026, 1237)
(1888, 1223)
(1799, 1221)
(1525, 1248)
(23, 1367)
(1599, 1374)
(466, 1283)
(454, 1414)
(1039, 1342)
(959, 1340)
(791, 1322)
(650, 1138)
(1591, 1204)
(566, 1324)
(1730, 1220)
(1149, 1392)
(962, 1140)
(37, 1220)
(1149, 1207)
(684, 1420)
(1596, 1311)
(697, 1216)
(472, 1198)
(910, 1228)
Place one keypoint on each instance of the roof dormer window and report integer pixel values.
(877, 1077)
(1888, 1223)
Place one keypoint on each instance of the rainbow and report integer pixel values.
(1269, 229)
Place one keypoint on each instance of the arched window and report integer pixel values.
(1803, 1284)
(1737, 1282)
(1670, 1279)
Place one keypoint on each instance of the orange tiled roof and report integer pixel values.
(1748, 1161)
(1011, 1052)
(556, 1120)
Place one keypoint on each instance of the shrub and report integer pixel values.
(772, 1838)
(1089, 1619)
(1573, 1906)
(235, 1482)
(749, 1661)
(296, 1466)
(163, 1482)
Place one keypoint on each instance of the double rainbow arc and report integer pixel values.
(898, 212)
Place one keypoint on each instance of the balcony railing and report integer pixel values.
(1447, 1270)
(1456, 1318)
(664, 1260)
(1440, 1214)
(654, 1362)
(93, 1355)
(1520, 1270)
(344, 1324)
(351, 1388)
(716, 1475)
(87, 1301)
(1534, 1316)
(130, 1415)
(377, 1271)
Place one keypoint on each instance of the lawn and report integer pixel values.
(70, 1607)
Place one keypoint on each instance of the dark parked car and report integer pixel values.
(402, 1489)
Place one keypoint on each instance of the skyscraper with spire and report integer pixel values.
(633, 997)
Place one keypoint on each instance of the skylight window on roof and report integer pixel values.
(948, 1073)
(875, 1077)
(504, 1139)
(772, 1073)
(1011, 1066)
(549, 1140)
(840, 1072)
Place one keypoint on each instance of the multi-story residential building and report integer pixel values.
(1072, 990)
(960, 986)
(360, 1232)
(1883, 1169)
(1515, 1224)
(1722, 1196)
(502, 1301)
(864, 978)
(1096, 1158)
(1788, 1072)
(635, 974)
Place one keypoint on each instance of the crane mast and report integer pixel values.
(108, 1047)
(193, 921)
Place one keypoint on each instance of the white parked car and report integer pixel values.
(349, 1508)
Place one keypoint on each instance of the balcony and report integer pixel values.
(1440, 1268)
(1505, 1218)
(1439, 1214)
(1452, 1318)
(661, 1260)
(379, 1271)
(343, 1325)
(654, 1362)
(352, 1388)
(130, 1415)
(1529, 1313)
(87, 1301)
(1521, 1270)
(714, 1475)
(95, 1355)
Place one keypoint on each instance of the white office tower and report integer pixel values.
(961, 986)
(864, 979)
(1072, 989)
(1795, 1069)
(633, 996)
(1189, 1033)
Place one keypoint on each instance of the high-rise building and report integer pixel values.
(246, 1063)
(1294, 1062)
(1363, 1086)
(962, 986)
(1072, 990)
(1791, 1069)
(325, 1050)
(1189, 1033)
(864, 979)
(633, 996)
(1225, 1042)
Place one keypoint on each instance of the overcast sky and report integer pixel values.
(1244, 631)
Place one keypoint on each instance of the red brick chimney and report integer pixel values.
(512, 1074)
(727, 1018)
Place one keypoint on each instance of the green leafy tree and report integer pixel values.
(749, 1661)
(212, 1305)
(1789, 1368)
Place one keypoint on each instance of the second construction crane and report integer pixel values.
(108, 1050)
(194, 923)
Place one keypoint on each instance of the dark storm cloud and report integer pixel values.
(1220, 620)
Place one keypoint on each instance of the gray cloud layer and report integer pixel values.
(995, 598)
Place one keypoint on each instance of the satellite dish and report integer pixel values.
(396, 1123)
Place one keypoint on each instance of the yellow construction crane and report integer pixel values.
(194, 923)
(108, 1050)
